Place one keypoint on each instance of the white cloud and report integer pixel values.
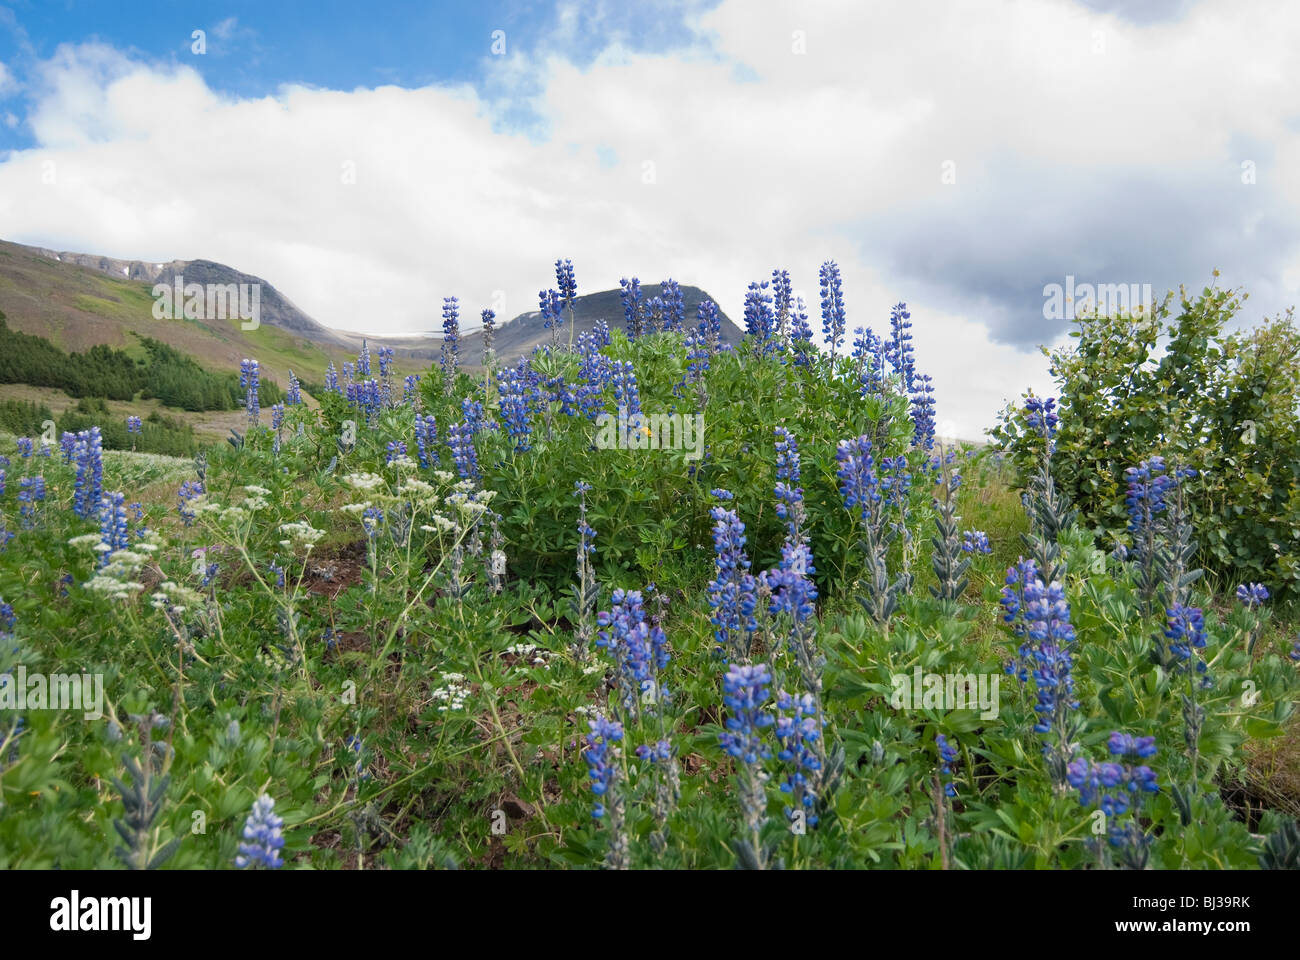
(761, 158)
(8, 84)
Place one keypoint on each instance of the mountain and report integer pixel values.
(519, 336)
(78, 300)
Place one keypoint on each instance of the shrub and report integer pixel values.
(1221, 402)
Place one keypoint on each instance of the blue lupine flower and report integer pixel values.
(710, 324)
(1040, 416)
(869, 354)
(1048, 627)
(371, 518)
(450, 350)
(833, 314)
(859, 484)
(760, 323)
(797, 731)
(923, 413)
(332, 379)
(898, 349)
(112, 526)
(655, 309)
(630, 295)
(396, 449)
(661, 751)
(1117, 790)
(426, 435)
(294, 397)
(745, 691)
(263, 840)
(250, 383)
(489, 334)
(24, 447)
(732, 590)
(626, 393)
(1185, 631)
(358, 748)
(1252, 594)
(896, 481)
(278, 570)
(801, 332)
(1148, 483)
(782, 300)
(1121, 744)
(514, 408)
(460, 440)
(789, 495)
(638, 648)
(586, 535)
(594, 371)
(1090, 778)
(210, 574)
(565, 281)
(31, 491)
(277, 416)
(1294, 654)
(602, 766)
(189, 491)
(134, 425)
(472, 412)
(947, 756)
(88, 450)
(363, 359)
(976, 541)
(410, 389)
(674, 305)
(600, 332)
(1018, 577)
(791, 584)
(550, 305)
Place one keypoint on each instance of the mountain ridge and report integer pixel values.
(47, 292)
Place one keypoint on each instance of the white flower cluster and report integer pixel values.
(531, 653)
(301, 534)
(365, 481)
(176, 598)
(453, 694)
(117, 580)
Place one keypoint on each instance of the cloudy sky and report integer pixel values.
(369, 159)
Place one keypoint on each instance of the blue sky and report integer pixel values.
(253, 47)
(958, 155)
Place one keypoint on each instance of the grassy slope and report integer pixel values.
(76, 307)
(988, 503)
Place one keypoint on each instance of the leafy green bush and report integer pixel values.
(1222, 402)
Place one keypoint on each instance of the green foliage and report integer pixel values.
(23, 418)
(1222, 402)
(407, 708)
(159, 433)
(106, 373)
